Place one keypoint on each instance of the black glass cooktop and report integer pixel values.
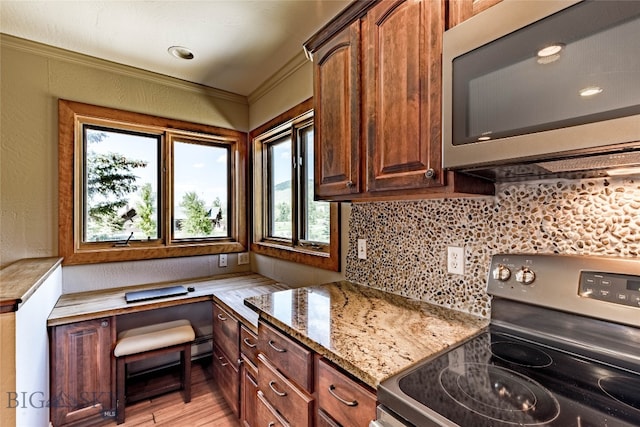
(497, 379)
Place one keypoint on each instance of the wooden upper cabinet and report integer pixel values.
(461, 10)
(402, 93)
(337, 114)
(377, 100)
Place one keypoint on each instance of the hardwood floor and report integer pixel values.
(207, 406)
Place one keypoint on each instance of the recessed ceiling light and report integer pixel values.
(550, 50)
(590, 91)
(544, 60)
(181, 52)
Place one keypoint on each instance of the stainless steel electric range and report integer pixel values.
(562, 349)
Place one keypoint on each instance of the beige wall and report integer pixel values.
(33, 78)
(291, 85)
(288, 87)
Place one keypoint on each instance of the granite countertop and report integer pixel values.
(370, 333)
(95, 304)
(19, 280)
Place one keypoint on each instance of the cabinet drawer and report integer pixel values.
(228, 378)
(325, 420)
(226, 332)
(348, 402)
(293, 404)
(295, 361)
(249, 344)
(266, 415)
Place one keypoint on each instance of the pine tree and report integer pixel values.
(109, 181)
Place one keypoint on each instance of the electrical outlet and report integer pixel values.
(362, 248)
(243, 258)
(222, 260)
(455, 260)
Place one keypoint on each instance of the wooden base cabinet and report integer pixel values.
(82, 380)
(226, 356)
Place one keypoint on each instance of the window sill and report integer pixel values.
(134, 253)
(324, 260)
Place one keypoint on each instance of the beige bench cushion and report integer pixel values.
(152, 337)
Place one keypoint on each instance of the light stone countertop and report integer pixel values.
(19, 280)
(110, 302)
(370, 333)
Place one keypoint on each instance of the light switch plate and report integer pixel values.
(362, 248)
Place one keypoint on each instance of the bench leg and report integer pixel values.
(121, 374)
(185, 359)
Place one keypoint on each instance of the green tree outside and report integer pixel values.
(146, 212)
(197, 223)
(110, 179)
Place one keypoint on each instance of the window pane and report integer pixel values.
(279, 191)
(317, 214)
(120, 185)
(200, 190)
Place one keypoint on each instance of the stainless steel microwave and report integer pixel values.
(528, 81)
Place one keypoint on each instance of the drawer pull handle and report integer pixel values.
(273, 346)
(271, 424)
(221, 360)
(248, 343)
(221, 317)
(279, 393)
(346, 402)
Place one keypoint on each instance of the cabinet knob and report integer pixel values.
(430, 173)
(349, 184)
(104, 323)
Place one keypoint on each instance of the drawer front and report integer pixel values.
(325, 420)
(228, 379)
(226, 333)
(266, 415)
(295, 405)
(249, 344)
(292, 359)
(348, 402)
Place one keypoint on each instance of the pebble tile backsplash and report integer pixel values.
(407, 240)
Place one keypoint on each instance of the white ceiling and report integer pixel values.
(238, 44)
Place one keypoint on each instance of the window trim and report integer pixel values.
(70, 245)
(260, 243)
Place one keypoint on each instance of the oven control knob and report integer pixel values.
(501, 273)
(525, 275)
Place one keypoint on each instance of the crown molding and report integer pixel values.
(297, 62)
(101, 64)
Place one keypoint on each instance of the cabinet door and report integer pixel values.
(226, 333)
(461, 10)
(248, 394)
(402, 42)
(81, 371)
(228, 378)
(337, 114)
